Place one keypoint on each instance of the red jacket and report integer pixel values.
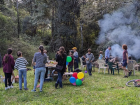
(9, 66)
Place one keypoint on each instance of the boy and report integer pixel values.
(70, 65)
(125, 60)
(89, 60)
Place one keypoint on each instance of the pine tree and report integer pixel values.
(65, 20)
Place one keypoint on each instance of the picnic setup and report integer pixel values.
(69, 52)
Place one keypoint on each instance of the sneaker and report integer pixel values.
(25, 88)
(129, 73)
(125, 77)
(6, 88)
(33, 90)
(56, 85)
(11, 86)
(40, 90)
(20, 89)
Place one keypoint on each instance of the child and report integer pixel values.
(100, 55)
(70, 65)
(130, 72)
(125, 60)
(8, 67)
(20, 65)
(89, 60)
(84, 59)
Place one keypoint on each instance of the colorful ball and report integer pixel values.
(85, 71)
(67, 63)
(74, 84)
(74, 75)
(78, 82)
(69, 59)
(82, 79)
(80, 75)
(72, 80)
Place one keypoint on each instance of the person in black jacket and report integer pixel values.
(61, 59)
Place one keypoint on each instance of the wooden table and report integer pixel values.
(50, 68)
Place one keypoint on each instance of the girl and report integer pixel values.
(39, 60)
(8, 67)
(61, 59)
(125, 60)
(101, 56)
(20, 65)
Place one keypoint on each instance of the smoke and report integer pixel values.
(122, 27)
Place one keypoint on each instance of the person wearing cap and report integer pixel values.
(107, 54)
(75, 57)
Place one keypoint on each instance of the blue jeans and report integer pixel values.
(89, 68)
(39, 72)
(59, 80)
(23, 73)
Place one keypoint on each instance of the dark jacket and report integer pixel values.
(9, 66)
(62, 61)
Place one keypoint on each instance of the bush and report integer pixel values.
(27, 49)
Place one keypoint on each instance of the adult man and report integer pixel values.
(107, 54)
(75, 57)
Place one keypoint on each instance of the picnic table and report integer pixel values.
(52, 66)
(49, 68)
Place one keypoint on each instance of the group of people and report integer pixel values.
(40, 59)
(124, 61)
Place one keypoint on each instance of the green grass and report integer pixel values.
(98, 89)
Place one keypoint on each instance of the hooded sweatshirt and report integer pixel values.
(90, 57)
(9, 66)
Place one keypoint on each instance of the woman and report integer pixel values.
(8, 67)
(20, 65)
(39, 60)
(61, 59)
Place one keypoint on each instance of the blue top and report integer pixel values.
(107, 53)
(40, 59)
(101, 56)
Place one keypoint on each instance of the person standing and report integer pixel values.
(8, 67)
(75, 57)
(61, 59)
(40, 59)
(89, 60)
(20, 65)
(70, 65)
(107, 54)
(125, 60)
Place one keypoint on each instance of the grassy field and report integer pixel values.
(98, 89)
